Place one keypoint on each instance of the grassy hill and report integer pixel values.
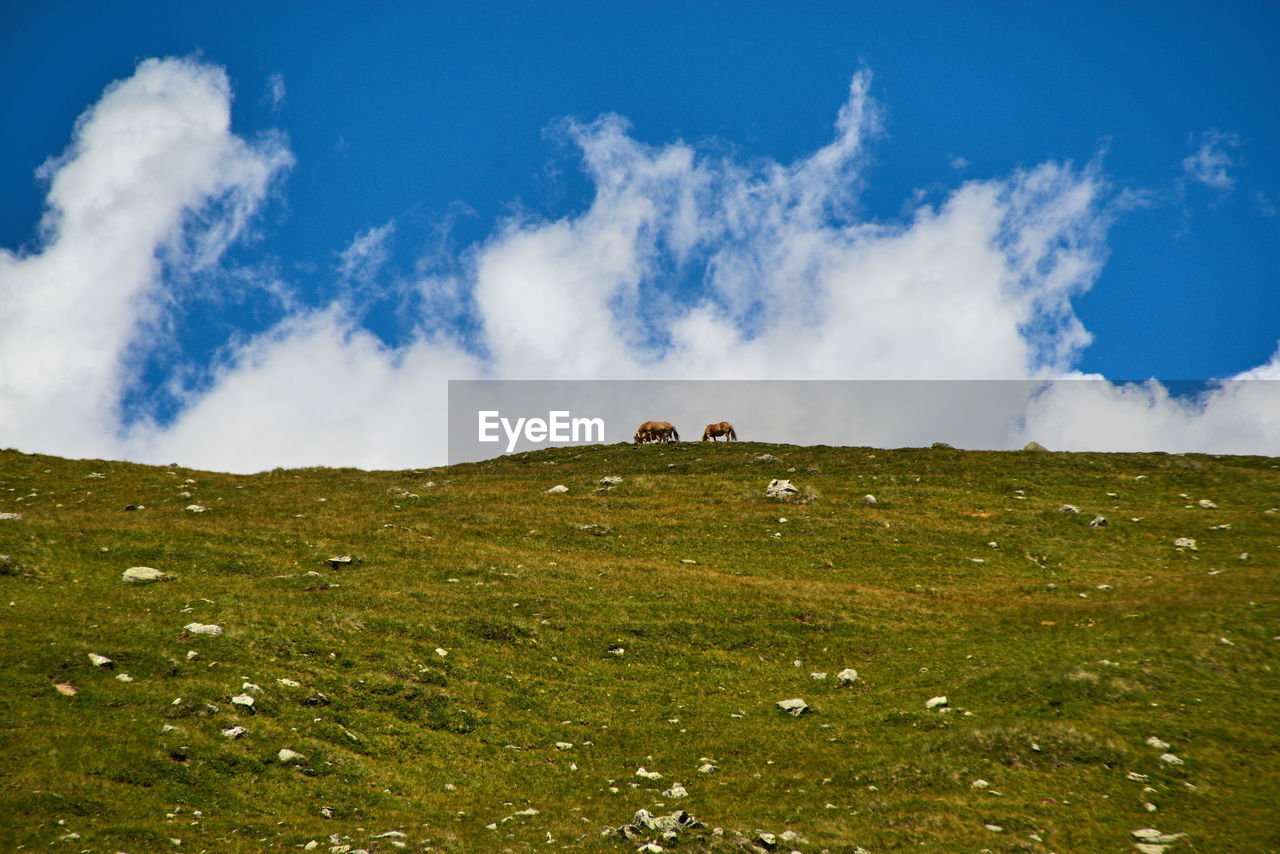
(499, 662)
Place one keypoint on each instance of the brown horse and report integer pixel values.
(724, 428)
(655, 431)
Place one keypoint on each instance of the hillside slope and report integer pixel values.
(498, 663)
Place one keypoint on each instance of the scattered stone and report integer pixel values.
(243, 700)
(794, 707)
(1207, 504)
(100, 660)
(766, 458)
(1170, 759)
(1185, 543)
(1157, 743)
(688, 561)
(780, 489)
(141, 575)
(341, 561)
(707, 768)
(648, 775)
(767, 840)
(1099, 522)
(1136, 777)
(1034, 446)
(1150, 807)
(994, 828)
(327, 812)
(942, 446)
(287, 755)
(252, 688)
(192, 655)
(124, 677)
(847, 676)
(935, 702)
(234, 731)
(557, 489)
(610, 481)
(203, 629)
(289, 683)
(1155, 837)
(818, 676)
(617, 650)
(676, 791)
(564, 745)
(979, 784)
(196, 508)
(66, 689)
(1068, 508)
(10, 517)
(1243, 556)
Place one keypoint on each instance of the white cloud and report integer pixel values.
(275, 93)
(1210, 163)
(367, 254)
(684, 265)
(152, 175)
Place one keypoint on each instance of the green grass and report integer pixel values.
(1054, 685)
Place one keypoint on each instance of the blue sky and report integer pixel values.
(1049, 189)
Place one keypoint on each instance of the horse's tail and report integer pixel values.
(706, 434)
(732, 434)
(674, 434)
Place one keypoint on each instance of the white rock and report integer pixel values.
(242, 700)
(100, 660)
(612, 480)
(251, 688)
(707, 768)
(1157, 743)
(557, 489)
(124, 677)
(311, 846)
(141, 575)
(441, 652)
(1099, 522)
(818, 676)
(1207, 504)
(1068, 508)
(995, 828)
(289, 683)
(234, 731)
(848, 676)
(1151, 835)
(10, 517)
(979, 784)
(203, 629)
(1185, 543)
(676, 791)
(935, 702)
(1170, 759)
(795, 707)
(287, 755)
(192, 655)
(196, 508)
(779, 489)
(564, 745)
(341, 561)
(868, 499)
(1149, 807)
(648, 775)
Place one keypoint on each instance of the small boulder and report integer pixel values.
(234, 731)
(1034, 446)
(243, 701)
(341, 561)
(1068, 508)
(676, 791)
(1185, 543)
(141, 575)
(847, 676)
(196, 508)
(557, 489)
(100, 660)
(203, 629)
(612, 480)
(287, 755)
(780, 489)
(794, 707)
(1099, 522)
(935, 702)
(869, 500)
(1207, 504)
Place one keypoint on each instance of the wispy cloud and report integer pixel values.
(367, 254)
(275, 92)
(1212, 160)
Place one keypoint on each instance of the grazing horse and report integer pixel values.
(655, 431)
(724, 428)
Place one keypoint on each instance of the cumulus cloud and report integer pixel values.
(153, 176)
(1213, 158)
(685, 264)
